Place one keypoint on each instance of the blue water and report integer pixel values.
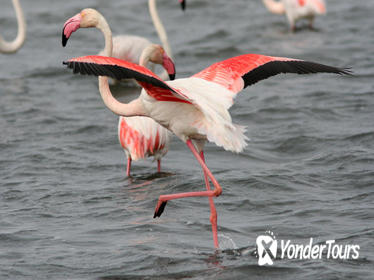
(67, 209)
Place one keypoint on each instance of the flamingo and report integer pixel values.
(140, 137)
(16, 44)
(297, 9)
(195, 109)
(126, 47)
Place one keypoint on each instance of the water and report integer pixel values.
(69, 212)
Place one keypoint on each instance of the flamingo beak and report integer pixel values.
(169, 66)
(71, 25)
(183, 4)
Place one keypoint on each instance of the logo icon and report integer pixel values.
(266, 248)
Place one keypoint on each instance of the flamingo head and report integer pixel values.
(183, 4)
(86, 18)
(159, 56)
(156, 54)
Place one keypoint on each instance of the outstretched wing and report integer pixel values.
(121, 69)
(238, 72)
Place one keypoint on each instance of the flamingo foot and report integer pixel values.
(163, 199)
(159, 208)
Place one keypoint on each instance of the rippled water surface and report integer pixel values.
(67, 209)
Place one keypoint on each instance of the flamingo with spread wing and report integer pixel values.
(140, 137)
(297, 9)
(195, 109)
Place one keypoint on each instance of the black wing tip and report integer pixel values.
(275, 67)
(346, 71)
(315, 67)
(160, 210)
(115, 72)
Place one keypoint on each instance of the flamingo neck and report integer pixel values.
(159, 27)
(134, 108)
(146, 56)
(275, 7)
(103, 26)
(13, 46)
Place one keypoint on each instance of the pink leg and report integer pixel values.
(158, 166)
(213, 211)
(209, 193)
(128, 166)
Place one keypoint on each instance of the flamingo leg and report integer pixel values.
(158, 166)
(213, 211)
(163, 199)
(128, 166)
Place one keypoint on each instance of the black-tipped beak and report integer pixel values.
(183, 4)
(64, 38)
(70, 26)
(172, 76)
(168, 65)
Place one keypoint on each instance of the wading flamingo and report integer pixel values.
(195, 109)
(126, 47)
(16, 44)
(297, 9)
(140, 137)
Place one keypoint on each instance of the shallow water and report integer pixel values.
(67, 209)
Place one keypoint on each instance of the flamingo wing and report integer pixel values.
(121, 69)
(238, 72)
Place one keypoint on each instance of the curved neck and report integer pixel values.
(276, 7)
(145, 56)
(135, 107)
(103, 26)
(13, 46)
(159, 27)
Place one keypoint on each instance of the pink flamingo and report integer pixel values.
(126, 47)
(16, 44)
(195, 109)
(297, 9)
(140, 137)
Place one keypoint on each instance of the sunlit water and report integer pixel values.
(67, 209)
